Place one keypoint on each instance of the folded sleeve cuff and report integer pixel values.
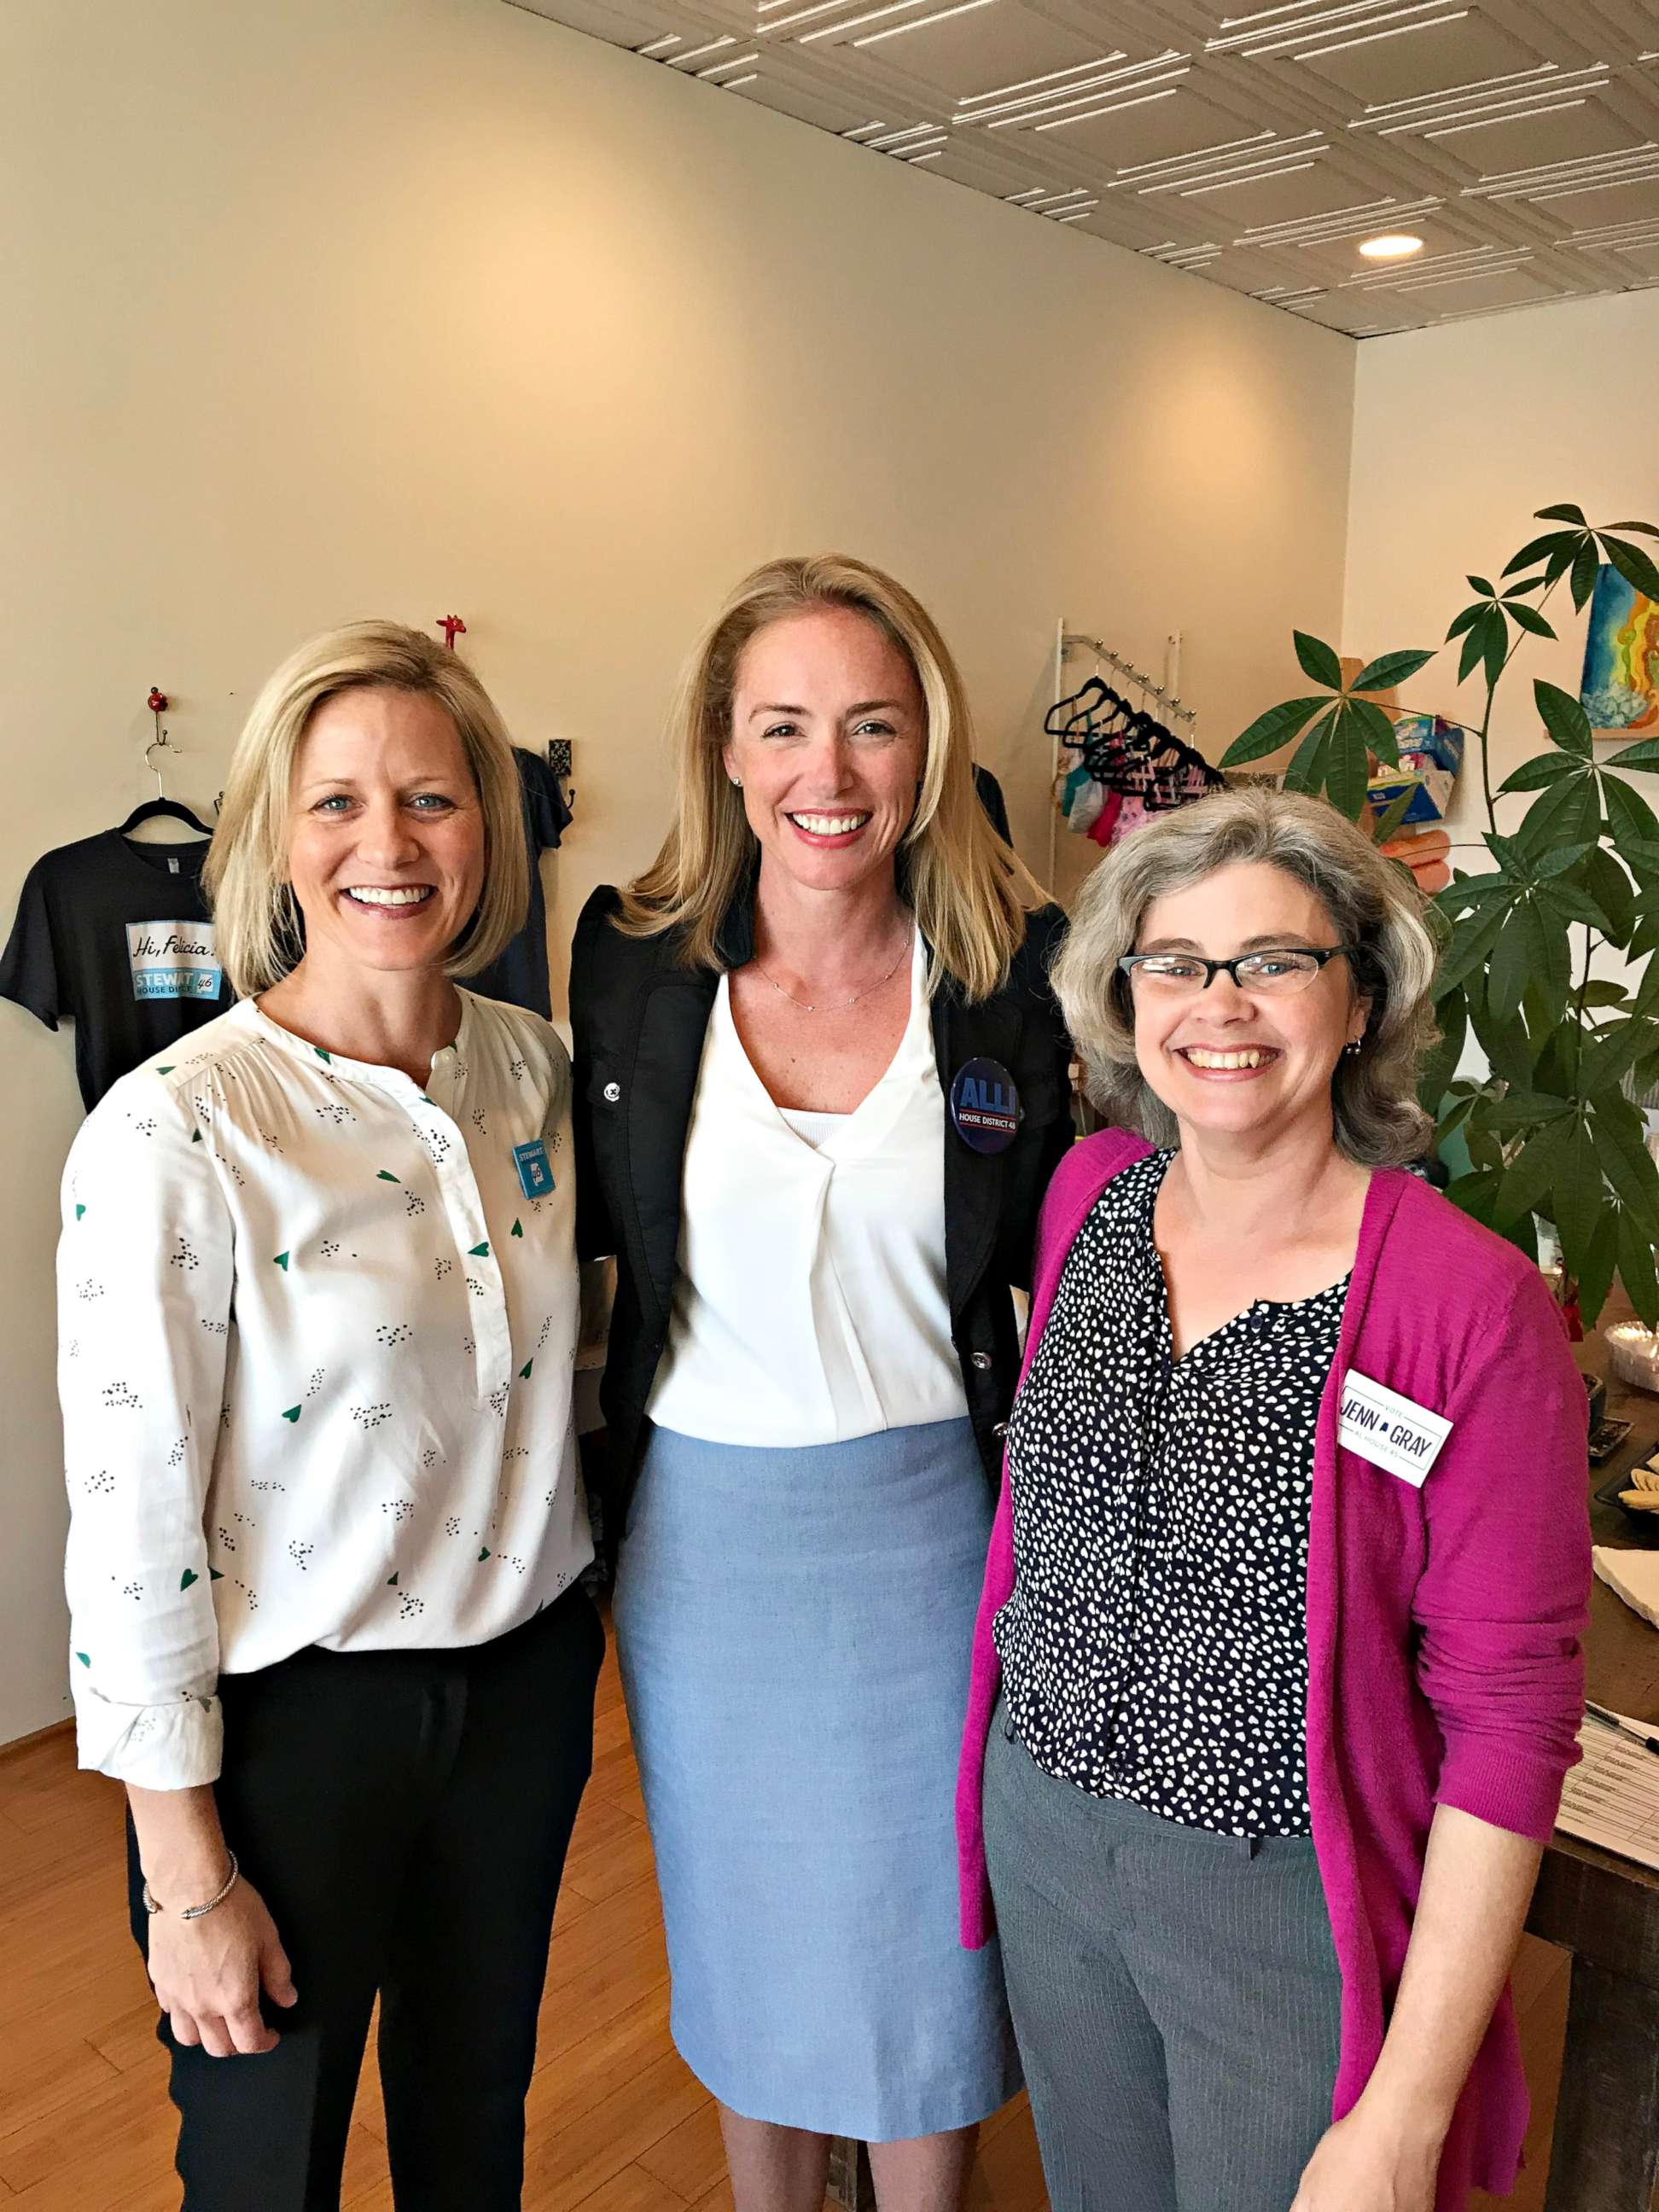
(1504, 1787)
(177, 1746)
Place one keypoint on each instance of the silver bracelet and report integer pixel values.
(196, 1912)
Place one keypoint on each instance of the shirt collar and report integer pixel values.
(250, 1016)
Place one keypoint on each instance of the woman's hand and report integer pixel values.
(1367, 2163)
(208, 1974)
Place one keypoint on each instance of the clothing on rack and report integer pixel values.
(116, 936)
(1129, 765)
(519, 976)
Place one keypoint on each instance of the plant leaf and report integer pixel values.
(1578, 1196)
(1528, 617)
(1471, 941)
(1476, 1194)
(1596, 1273)
(1613, 892)
(1571, 902)
(1543, 549)
(1504, 1043)
(1524, 585)
(1568, 813)
(1389, 669)
(1553, 980)
(1625, 1157)
(1647, 529)
(1516, 955)
(1629, 814)
(1467, 620)
(1531, 1173)
(1317, 660)
(1306, 771)
(1634, 565)
(1392, 816)
(1635, 1266)
(1440, 1062)
(1272, 730)
(1479, 584)
(1474, 646)
(1526, 1110)
(1643, 755)
(1346, 766)
(1565, 514)
(1618, 1048)
(1584, 566)
(1541, 769)
(1598, 991)
(1564, 718)
(1454, 1118)
(1376, 730)
(1498, 645)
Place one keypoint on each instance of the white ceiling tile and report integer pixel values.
(958, 51)
(1399, 58)
(1250, 145)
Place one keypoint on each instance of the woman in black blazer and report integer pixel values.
(821, 1085)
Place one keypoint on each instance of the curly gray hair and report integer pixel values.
(1372, 904)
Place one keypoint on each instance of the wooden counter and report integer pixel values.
(1604, 1910)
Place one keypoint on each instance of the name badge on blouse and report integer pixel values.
(1391, 1431)
(984, 1106)
(535, 1176)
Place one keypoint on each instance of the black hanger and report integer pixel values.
(152, 810)
(1080, 710)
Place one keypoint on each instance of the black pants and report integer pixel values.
(404, 1815)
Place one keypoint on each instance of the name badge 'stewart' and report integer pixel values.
(535, 1176)
(984, 1106)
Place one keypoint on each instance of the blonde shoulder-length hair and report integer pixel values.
(1374, 907)
(969, 891)
(255, 914)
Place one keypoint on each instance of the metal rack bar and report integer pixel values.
(1078, 641)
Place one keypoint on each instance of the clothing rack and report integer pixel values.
(1169, 703)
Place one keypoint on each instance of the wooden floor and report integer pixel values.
(616, 2122)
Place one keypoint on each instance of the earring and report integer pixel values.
(737, 783)
(1350, 1050)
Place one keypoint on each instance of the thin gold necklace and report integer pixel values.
(810, 1005)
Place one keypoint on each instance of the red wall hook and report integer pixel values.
(449, 624)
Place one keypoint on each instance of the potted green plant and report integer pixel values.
(1550, 1128)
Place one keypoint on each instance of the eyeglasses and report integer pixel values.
(1277, 972)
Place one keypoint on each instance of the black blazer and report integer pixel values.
(639, 1016)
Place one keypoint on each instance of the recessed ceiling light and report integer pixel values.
(1394, 247)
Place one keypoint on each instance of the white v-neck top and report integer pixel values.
(317, 1329)
(811, 1304)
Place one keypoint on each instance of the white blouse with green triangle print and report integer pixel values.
(317, 1329)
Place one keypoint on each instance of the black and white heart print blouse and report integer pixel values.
(1154, 1648)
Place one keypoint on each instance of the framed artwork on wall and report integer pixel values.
(1619, 688)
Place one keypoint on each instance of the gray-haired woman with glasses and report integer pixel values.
(1285, 1590)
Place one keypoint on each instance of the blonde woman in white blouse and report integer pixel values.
(318, 1304)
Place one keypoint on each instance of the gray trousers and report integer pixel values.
(1175, 1995)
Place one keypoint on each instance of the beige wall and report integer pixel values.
(1460, 435)
(418, 306)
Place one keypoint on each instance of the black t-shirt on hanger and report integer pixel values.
(519, 976)
(116, 936)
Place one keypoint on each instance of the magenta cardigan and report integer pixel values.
(1443, 1623)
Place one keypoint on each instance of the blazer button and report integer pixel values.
(612, 1093)
(982, 1360)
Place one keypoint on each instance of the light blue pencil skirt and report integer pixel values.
(795, 1629)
